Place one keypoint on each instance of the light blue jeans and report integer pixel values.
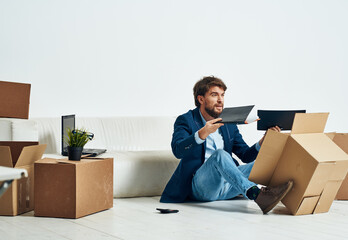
(219, 178)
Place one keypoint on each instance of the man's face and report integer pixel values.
(213, 101)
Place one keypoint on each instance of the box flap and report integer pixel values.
(327, 196)
(331, 135)
(16, 148)
(343, 191)
(320, 178)
(30, 154)
(66, 161)
(309, 123)
(340, 171)
(307, 205)
(82, 161)
(341, 139)
(47, 160)
(320, 147)
(5, 156)
(267, 159)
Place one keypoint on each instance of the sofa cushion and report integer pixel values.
(142, 173)
(129, 133)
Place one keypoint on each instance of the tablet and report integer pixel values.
(237, 115)
(280, 118)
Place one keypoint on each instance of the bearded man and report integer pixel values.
(207, 171)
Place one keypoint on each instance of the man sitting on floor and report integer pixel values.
(207, 171)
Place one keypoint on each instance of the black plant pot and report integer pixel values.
(74, 153)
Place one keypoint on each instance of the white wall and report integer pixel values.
(119, 58)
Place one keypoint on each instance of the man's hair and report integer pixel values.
(202, 87)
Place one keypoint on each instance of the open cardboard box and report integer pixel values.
(19, 197)
(341, 139)
(73, 189)
(14, 99)
(309, 158)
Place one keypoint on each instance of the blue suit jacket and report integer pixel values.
(192, 155)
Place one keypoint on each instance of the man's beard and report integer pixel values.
(212, 113)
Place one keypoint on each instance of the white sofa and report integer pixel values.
(140, 146)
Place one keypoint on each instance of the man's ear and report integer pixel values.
(200, 99)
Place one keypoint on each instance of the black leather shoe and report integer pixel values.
(269, 197)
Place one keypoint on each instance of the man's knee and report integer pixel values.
(221, 155)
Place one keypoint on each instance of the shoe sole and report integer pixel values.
(281, 197)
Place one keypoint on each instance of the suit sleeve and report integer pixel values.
(183, 140)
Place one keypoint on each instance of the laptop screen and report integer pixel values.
(68, 122)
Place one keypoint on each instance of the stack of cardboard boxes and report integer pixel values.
(61, 188)
(19, 198)
(315, 163)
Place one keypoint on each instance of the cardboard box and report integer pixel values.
(73, 189)
(19, 197)
(341, 139)
(14, 99)
(309, 158)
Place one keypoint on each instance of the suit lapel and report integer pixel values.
(197, 118)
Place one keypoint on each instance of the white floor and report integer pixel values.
(136, 218)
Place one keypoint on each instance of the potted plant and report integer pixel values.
(76, 140)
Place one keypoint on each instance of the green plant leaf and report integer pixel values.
(76, 137)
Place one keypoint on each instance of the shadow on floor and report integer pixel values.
(238, 204)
